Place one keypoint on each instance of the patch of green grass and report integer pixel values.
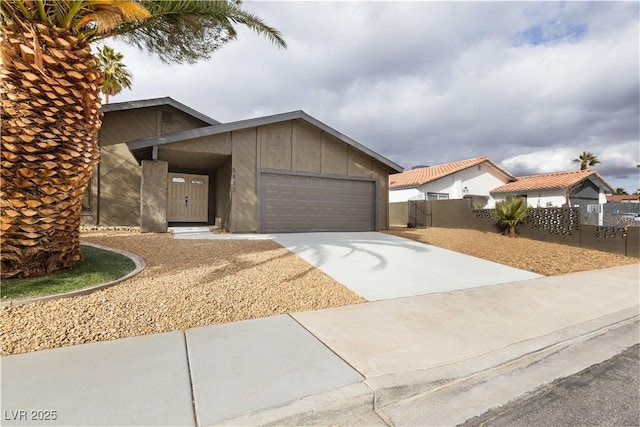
(97, 266)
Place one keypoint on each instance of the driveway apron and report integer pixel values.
(379, 266)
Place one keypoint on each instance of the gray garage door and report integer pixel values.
(292, 203)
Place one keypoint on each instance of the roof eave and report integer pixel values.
(525, 190)
(255, 122)
(155, 102)
(404, 187)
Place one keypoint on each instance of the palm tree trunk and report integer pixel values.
(49, 83)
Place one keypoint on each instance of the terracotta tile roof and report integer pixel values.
(550, 181)
(424, 175)
(617, 198)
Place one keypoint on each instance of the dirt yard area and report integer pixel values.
(190, 283)
(548, 259)
(186, 283)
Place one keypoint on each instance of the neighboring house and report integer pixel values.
(624, 198)
(163, 162)
(576, 188)
(471, 178)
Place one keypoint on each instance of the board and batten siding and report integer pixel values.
(120, 174)
(296, 146)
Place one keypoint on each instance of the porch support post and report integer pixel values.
(153, 196)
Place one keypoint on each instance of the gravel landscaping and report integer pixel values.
(186, 283)
(189, 283)
(548, 259)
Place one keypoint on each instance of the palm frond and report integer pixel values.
(511, 212)
(208, 24)
(175, 31)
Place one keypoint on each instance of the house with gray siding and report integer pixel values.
(574, 188)
(164, 163)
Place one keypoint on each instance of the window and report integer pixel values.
(178, 180)
(437, 196)
(197, 181)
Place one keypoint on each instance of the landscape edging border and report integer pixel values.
(137, 260)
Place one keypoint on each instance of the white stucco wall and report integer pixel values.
(478, 183)
(602, 198)
(556, 198)
(403, 194)
(542, 199)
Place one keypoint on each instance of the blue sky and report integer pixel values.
(529, 84)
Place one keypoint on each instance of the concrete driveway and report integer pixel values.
(379, 266)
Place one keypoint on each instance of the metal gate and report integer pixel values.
(419, 214)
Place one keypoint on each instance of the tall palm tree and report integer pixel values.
(511, 212)
(50, 86)
(586, 159)
(116, 75)
(620, 192)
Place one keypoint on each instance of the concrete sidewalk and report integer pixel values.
(435, 359)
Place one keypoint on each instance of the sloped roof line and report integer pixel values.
(421, 176)
(552, 181)
(258, 121)
(621, 197)
(156, 102)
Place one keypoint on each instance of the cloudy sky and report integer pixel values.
(529, 84)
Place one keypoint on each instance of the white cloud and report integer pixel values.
(432, 82)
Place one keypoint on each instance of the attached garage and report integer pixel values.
(302, 203)
(283, 173)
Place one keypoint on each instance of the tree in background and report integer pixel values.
(620, 192)
(51, 110)
(511, 212)
(586, 159)
(116, 75)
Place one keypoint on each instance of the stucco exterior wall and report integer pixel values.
(478, 181)
(153, 201)
(292, 145)
(382, 195)
(119, 191)
(398, 214)
(244, 192)
(115, 194)
(223, 194)
(541, 199)
(403, 195)
(602, 198)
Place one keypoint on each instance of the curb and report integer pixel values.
(330, 407)
(393, 388)
(385, 396)
(139, 266)
(464, 399)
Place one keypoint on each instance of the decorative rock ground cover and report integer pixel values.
(189, 283)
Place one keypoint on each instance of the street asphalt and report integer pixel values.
(604, 395)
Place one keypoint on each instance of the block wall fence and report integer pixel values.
(556, 225)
